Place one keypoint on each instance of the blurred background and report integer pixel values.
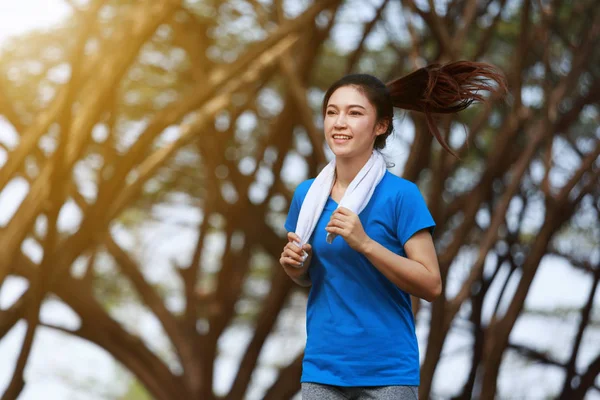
(149, 151)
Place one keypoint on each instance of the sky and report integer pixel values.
(17, 17)
(63, 367)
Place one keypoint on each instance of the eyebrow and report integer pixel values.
(349, 106)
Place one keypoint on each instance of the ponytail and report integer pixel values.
(445, 89)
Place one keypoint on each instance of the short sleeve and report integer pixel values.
(297, 200)
(412, 213)
(293, 212)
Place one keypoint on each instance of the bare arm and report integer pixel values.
(419, 274)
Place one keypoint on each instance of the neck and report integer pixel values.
(347, 168)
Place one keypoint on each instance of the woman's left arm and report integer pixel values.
(418, 275)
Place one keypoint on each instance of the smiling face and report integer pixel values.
(351, 123)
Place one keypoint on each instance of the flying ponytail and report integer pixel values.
(446, 89)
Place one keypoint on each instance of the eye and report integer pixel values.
(355, 113)
(330, 112)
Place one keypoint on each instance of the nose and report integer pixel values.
(340, 121)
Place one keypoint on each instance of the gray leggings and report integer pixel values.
(317, 391)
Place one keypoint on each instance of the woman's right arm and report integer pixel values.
(292, 260)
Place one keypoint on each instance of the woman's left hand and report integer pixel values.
(345, 223)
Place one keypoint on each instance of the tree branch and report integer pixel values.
(7, 110)
(288, 382)
(99, 328)
(280, 288)
(368, 28)
(571, 366)
(112, 70)
(132, 271)
(298, 92)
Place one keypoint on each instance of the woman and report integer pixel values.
(363, 264)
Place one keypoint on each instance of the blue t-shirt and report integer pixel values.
(360, 327)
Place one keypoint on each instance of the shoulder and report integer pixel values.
(399, 193)
(302, 189)
(304, 186)
(399, 187)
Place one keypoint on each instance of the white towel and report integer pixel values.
(355, 198)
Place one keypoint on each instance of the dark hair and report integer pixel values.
(435, 88)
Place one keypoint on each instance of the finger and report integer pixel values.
(338, 217)
(307, 247)
(338, 223)
(335, 229)
(291, 262)
(292, 237)
(293, 254)
(298, 254)
(294, 247)
(344, 211)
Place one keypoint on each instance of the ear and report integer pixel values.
(381, 127)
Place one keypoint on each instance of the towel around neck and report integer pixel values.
(355, 198)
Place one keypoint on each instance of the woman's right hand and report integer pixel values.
(294, 262)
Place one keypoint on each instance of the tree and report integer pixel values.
(211, 102)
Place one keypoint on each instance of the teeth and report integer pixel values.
(341, 137)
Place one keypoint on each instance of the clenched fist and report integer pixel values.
(295, 260)
(346, 224)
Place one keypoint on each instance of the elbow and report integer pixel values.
(304, 284)
(435, 291)
(303, 281)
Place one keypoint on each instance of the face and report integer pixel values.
(351, 123)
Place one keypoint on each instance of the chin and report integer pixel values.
(348, 152)
(341, 153)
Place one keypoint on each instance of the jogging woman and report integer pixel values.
(363, 264)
